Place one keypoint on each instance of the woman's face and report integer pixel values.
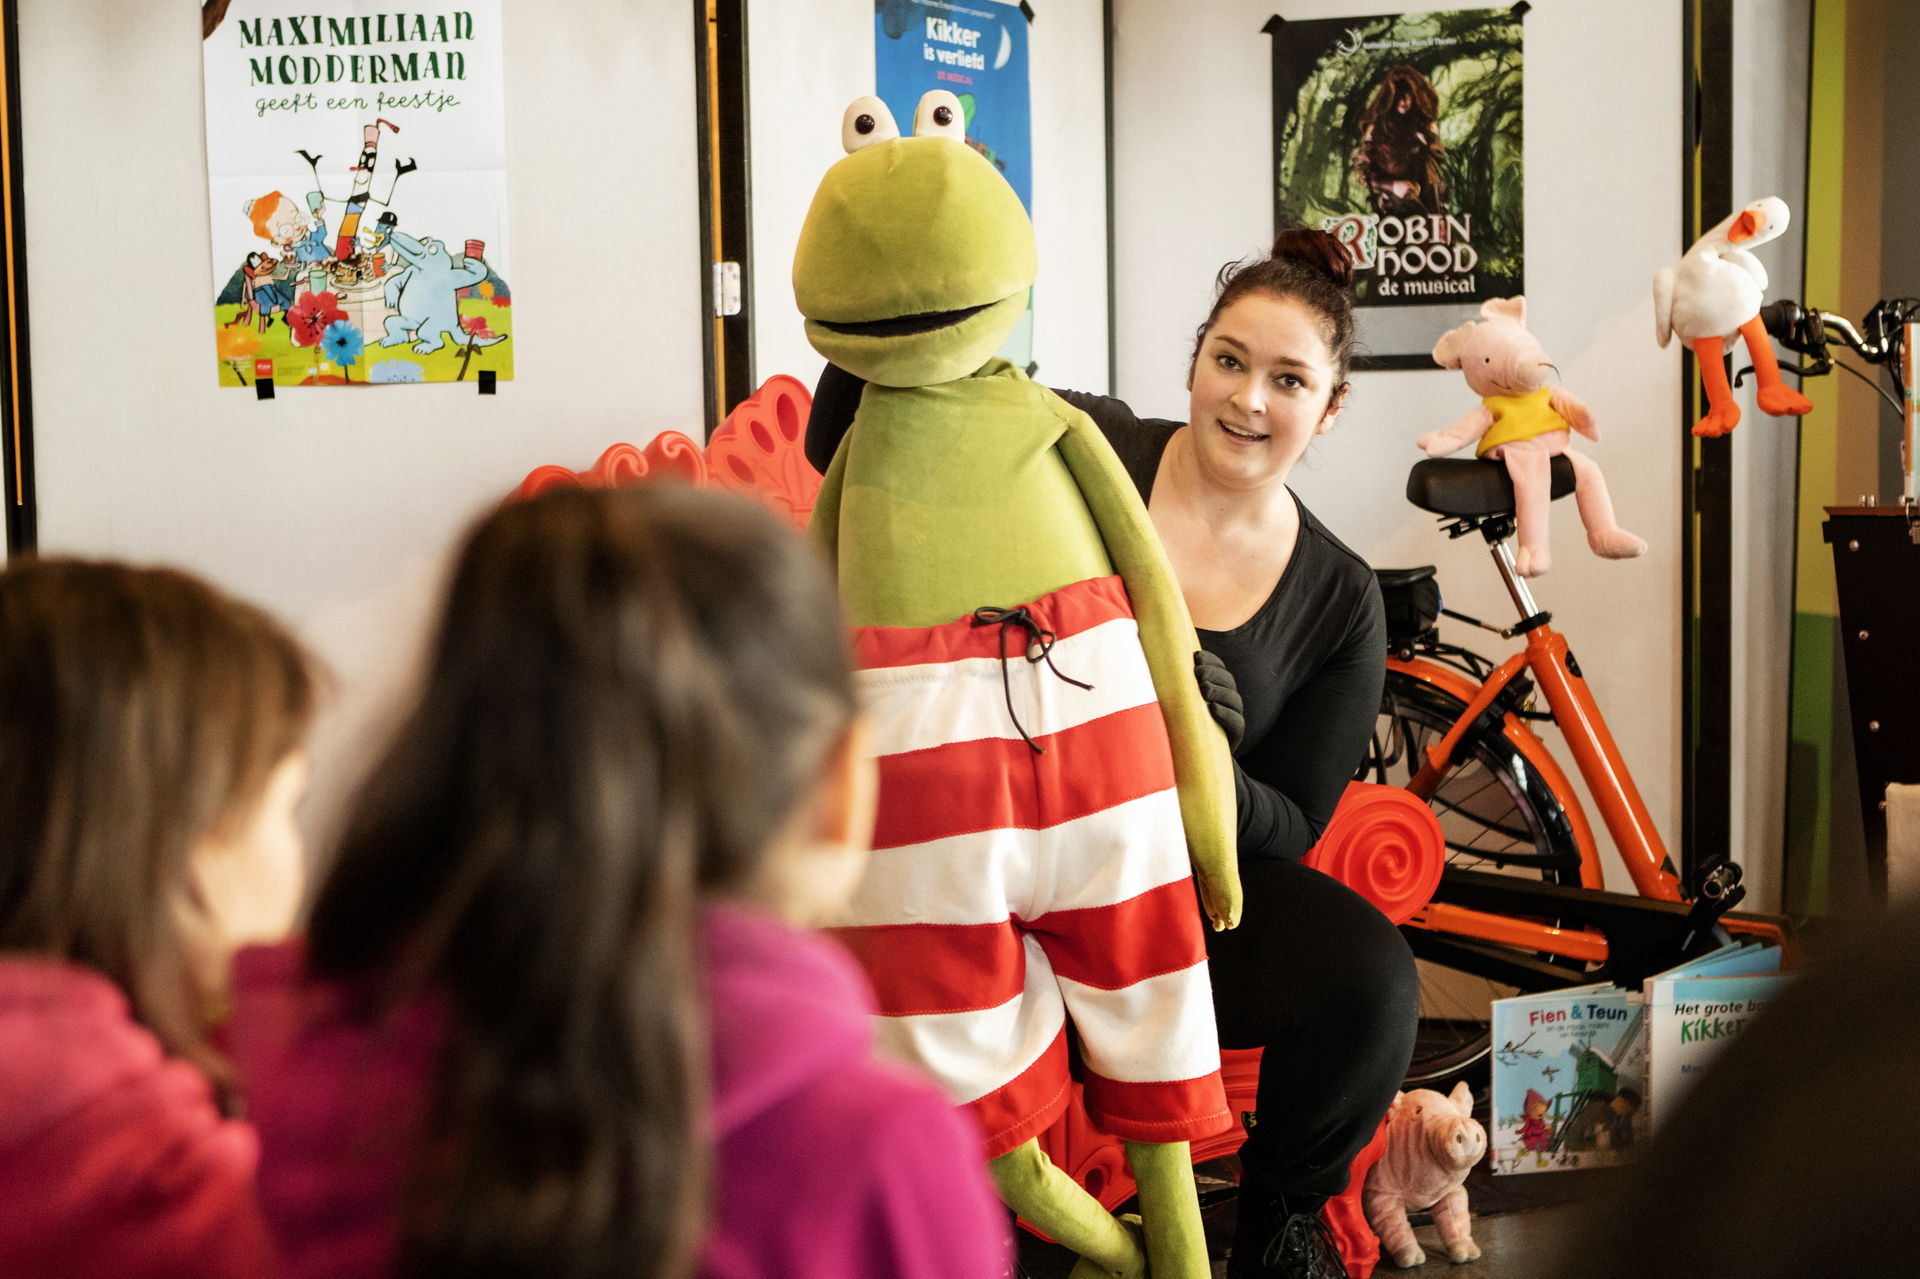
(248, 881)
(1262, 388)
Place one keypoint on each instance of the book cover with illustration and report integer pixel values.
(1696, 1010)
(1569, 1079)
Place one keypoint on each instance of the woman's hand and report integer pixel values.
(1222, 695)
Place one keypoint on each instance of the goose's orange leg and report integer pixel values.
(1722, 413)
(1776, 397)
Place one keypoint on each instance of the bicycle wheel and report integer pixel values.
(1497, 813)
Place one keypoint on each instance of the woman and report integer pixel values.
(1398, 159)
(1314, 974)
(150, 763)
(556, 1019)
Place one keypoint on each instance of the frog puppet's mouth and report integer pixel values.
(902, 325)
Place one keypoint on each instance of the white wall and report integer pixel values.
(336, 507)
(796, 105)
(1193, 178)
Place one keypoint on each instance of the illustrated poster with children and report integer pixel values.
(977, 49)
(1401, 134)
(356, 159)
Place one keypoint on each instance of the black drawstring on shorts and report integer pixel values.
(1039, 649)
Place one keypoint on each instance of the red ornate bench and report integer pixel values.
(1382, 842)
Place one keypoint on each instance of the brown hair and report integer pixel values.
(141, 711)
(1423, 99)
(1307, 265)
(632, 693)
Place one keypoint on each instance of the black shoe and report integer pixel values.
(1272, 1243)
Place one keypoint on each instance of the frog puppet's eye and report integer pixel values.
(866, 122)
(939, 116)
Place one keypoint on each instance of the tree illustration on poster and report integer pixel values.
(1401, 135)
(978, 50)
(356, 165)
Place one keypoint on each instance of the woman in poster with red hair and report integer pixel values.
(1400, 150)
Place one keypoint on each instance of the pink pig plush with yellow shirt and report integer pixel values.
(1526, 423)
(1433, 1141)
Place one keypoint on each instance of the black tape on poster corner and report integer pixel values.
(263, 388)
(486, 382)
(1273, 25)
(1028, 10)
(1520, 10)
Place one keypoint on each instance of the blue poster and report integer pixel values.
(977, 50)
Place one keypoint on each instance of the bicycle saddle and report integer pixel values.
(1469, 488)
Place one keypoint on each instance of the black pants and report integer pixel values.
(1319, 979)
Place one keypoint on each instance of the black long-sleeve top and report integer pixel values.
(1310, 663)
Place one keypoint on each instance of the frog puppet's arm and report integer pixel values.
(1200, 758)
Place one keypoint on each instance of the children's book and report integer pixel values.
(1569, 1073)
(1694, 1011)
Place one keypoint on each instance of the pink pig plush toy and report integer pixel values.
(1432, 1142)
(1526, 423)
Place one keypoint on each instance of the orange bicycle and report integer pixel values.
(1522, 904)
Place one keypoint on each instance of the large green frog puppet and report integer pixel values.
(1048, 767)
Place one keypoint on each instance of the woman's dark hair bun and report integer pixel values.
(1315, 249)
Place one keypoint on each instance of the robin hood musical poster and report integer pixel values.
(356, 157)
(1401, 135)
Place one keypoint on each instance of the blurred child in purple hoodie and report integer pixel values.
(554, 1017)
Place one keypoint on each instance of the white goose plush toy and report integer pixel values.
(1715, 293)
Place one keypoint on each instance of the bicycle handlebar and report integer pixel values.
(1881, 339)
(1806, 330)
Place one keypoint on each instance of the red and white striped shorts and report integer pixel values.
(1012, 890)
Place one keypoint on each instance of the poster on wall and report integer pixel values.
(1401, 135)
(356, 167)
(978, 49)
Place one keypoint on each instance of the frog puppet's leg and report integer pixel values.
(1170, 1208)
(1047, 1198)
(1053, 1202)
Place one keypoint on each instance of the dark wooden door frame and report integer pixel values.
(1706, 467)
(720, 77)
(16, 384)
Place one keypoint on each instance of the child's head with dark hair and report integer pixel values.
(150, 759)
(638, 698)
(1782, 1159)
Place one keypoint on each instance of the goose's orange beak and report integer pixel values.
(1745, 227)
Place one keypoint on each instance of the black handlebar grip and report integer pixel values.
(1782, 319)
